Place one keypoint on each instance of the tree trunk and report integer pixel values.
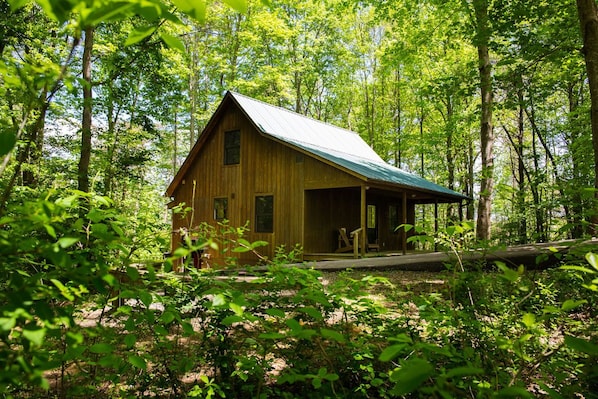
(522, 229)
(84, 160)
(588, 21)
(486, 129)
(398, 120)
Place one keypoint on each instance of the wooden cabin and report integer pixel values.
(294, 180)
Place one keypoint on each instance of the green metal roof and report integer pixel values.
(337, 145)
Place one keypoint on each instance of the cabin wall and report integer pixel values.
(265, 168)
(312, 199)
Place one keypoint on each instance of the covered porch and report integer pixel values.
(369, 214)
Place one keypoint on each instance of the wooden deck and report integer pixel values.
(532, 256)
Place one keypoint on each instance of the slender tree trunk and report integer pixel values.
(84, 160)
(522, 231)
(486, 129)
(588, 21)
(470, 181)
(398, 121)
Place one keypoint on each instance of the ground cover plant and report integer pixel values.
(81, 318)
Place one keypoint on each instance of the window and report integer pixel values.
(264, 214)
(371, 221)
(232, 147)
(220, 208)
(393, 217)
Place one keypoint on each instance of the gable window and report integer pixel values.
(232, 147)
(264, 214)
(220, 208)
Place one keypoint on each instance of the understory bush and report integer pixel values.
(78, 318)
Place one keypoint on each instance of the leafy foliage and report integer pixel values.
(78, 318)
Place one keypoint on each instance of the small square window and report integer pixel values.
(264, 214)
(220, 208)
(232, 147)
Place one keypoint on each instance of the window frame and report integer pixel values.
(215, 208)
(232, 147)
(260, 215)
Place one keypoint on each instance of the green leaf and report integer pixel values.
(145, 297)
(581, 345)
(313, 312)
(7, 323)
(228, 320)
(570, 304)
(50, 230)
(218, 300)
(7, 142)
(112, 11)
(592, 259)
(391, 352)
(16, 4)
(138, 34)
(173, 42)
(65, 292)
(528, 320)
(167, 317)
(513, 392)
(133, 273)
(101, 348)
(411, 375)
(238, 5)
(130, 340)
(333, 335)
(137, 361)
(194, 8)
(36, 337)
(66, 242)
(272, 335)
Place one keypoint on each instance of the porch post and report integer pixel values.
(363, 220)
(435, 223)
(404, 222)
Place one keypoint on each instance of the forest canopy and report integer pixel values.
(491, 99)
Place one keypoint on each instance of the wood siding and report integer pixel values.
(266, 168)
(312, 199)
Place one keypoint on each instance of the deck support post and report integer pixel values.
(404, 222)
(363, 221)
(435, 223)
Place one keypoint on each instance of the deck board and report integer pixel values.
(531, 256)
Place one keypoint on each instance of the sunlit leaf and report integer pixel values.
(238, 5)
(65, 242)
(138, 34)
(173, 42)
(7, 323)
(528, 320)
(36, 337)
(570, 304)
(592, 259)
(194, 8)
